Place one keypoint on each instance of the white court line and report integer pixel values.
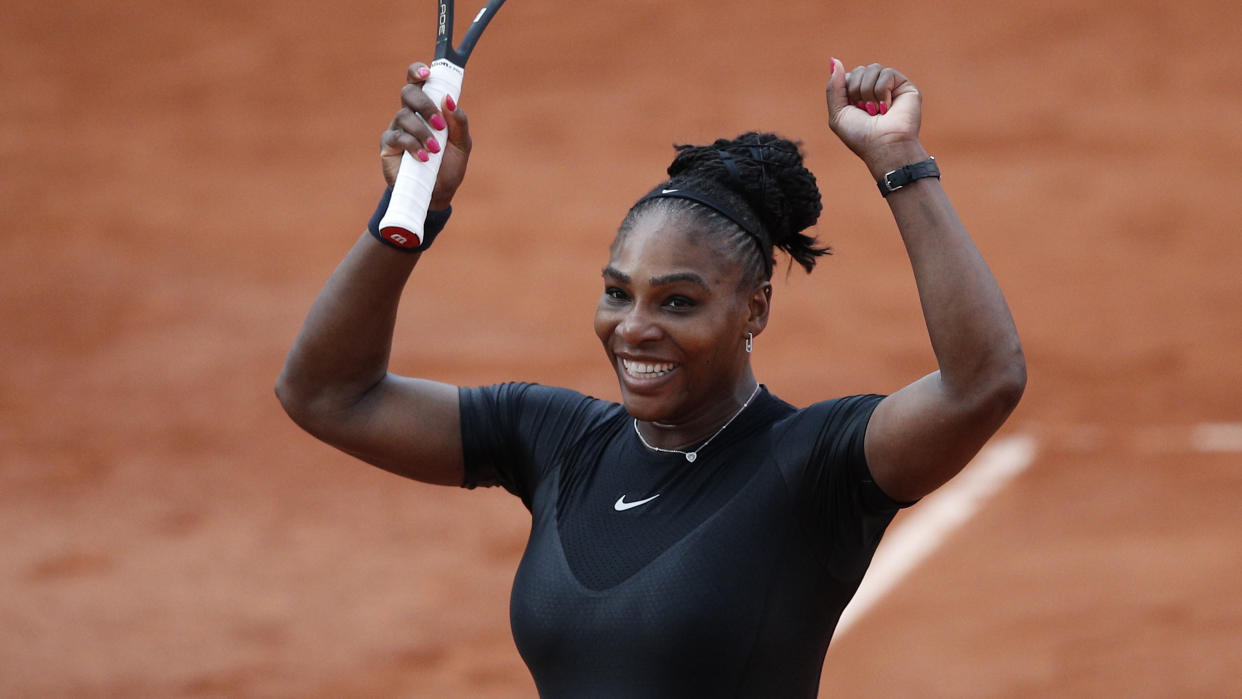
(921, 532)
(1216, 436)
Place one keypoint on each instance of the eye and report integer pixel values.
(612, 293)
(680, 303)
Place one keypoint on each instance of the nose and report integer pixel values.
(637, 327)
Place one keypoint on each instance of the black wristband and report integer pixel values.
(894, 180)
(432, 225)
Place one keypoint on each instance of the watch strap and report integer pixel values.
(894, 180)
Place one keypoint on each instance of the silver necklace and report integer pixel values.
(692, 455)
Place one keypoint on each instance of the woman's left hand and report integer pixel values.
(876, 112)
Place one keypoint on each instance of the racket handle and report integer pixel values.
(411, 194)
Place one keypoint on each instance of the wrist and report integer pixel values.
(902, 177)
(434, 222)
(892, 156)
(441, 200)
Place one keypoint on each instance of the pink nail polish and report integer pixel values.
(433, 145)
(883, 108)
(832, 65)
(424, 72)
(449, 104)
(437, 123)
(861, 105)
(871, 109)
(422, 155)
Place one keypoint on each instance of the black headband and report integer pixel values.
(756, 233)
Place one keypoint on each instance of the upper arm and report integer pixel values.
(410, 427)
(922, 435)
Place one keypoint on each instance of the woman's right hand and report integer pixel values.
(876, 112)
(407, 132)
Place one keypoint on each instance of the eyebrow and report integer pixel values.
(663, 280)
(617, 274)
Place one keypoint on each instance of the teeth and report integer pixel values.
(646, 369)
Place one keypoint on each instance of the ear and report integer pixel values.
(759, 303)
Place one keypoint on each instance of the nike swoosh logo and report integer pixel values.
(621, 505)
(669, 191)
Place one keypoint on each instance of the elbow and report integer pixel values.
(287, 394)
(993, 390)
(1009, 394)
(314, 405)
(296, 400)
(1008, 382)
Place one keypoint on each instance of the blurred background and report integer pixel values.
(180, 179)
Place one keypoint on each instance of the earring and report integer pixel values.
(750, 342)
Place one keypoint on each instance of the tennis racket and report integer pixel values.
(402, 223)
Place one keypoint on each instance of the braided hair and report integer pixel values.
(752, 192)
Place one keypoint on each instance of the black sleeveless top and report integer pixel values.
(649, 576)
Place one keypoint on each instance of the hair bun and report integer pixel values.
(766, 172)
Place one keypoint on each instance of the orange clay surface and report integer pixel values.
(180, 178)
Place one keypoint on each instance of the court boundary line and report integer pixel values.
(1216, 437)
(926, 527)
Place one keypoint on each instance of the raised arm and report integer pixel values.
(335, 382)
(922, 435)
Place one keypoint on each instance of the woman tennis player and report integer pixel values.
(702, 537)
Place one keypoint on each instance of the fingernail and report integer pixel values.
(883, 108)
(861, 105)
(433, 145)
(424, 72)
(871, 109)
(437, 123)
(832, 65)
(422, 155)
(449, 103)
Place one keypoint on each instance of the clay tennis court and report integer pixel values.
(180, 178)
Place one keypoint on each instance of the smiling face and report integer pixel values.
(673, 320)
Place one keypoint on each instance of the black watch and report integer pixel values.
(894, 180)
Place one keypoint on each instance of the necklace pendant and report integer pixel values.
(691, 456)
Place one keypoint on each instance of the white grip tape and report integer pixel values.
(411, 194)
